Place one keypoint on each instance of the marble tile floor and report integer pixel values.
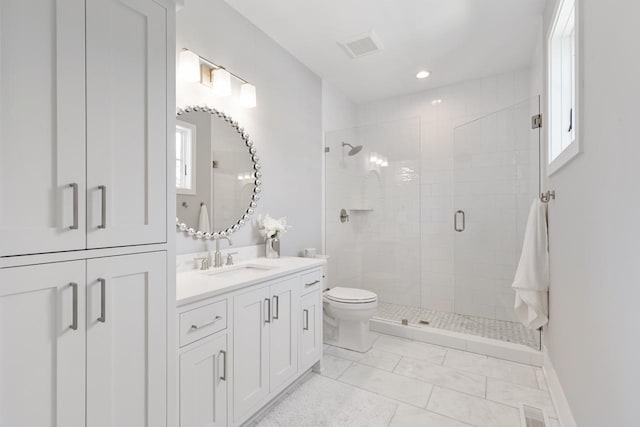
(412, 384)
(489, 328)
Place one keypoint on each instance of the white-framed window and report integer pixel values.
(185, 158)
(563, 84)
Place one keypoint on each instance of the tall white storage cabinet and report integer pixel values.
(86, 286)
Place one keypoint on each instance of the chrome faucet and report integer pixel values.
(218, 254)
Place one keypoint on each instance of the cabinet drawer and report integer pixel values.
(202, 321)
(310, 282)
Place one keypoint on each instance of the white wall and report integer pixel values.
(594, 330)
(286, 125)
(464, 103)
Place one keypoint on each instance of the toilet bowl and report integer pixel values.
(347, 312)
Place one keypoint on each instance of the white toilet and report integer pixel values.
(347, 312)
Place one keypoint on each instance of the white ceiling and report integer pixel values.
(456, 40)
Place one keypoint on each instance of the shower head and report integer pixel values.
(354, 150)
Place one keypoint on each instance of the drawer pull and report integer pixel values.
(308, 285)
(276, 307)
(196, 327)
(268, 310)
(223, 353)
(74, 320)
(305, 323)
(103, 301)
(74, 226)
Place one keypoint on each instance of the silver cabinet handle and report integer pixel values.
(276, 307)
(223, 353)
(74, 318)
(103, 301)
(308, 285)
(268, 310)
(103, 208)
(195, 327)
(455, 221)
(74, 226)
(305, 322)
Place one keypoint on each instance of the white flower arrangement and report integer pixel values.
(270, 227)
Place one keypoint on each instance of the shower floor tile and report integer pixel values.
(489, 328)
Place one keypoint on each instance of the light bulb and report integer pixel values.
(221, 82)
(248, 95)
(384, 163)
(373, 158)
(423, 74)
(189, 66)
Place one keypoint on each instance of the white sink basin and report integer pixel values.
(238, 270)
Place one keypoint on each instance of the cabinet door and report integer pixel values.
(42, 350)
(311, 329)
(283, 345)
(250, 350)
(126, 340)
(203, 383)
(42, 126)
(126, 122)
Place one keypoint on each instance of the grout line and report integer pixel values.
(429, 399)
(394, 414)
(399, 360)
(486, 386)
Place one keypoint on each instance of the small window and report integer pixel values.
(185, 158)
(562, 86)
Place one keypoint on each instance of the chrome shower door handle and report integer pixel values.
(103, 301)
(103, 207)
(455, 221)
(74, 318)
(74, 226)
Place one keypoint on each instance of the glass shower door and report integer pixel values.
(496, 176)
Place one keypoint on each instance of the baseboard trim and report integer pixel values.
(565, 416)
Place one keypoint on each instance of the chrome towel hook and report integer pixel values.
(548, 196)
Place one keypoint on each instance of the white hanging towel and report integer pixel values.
(203, 221)
(531, 282)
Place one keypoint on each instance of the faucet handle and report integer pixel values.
(205, 263)
(230, 257)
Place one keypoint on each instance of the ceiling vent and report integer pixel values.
(362, 45)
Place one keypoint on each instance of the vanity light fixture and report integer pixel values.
(248, 95)
(221, 84)
(423, 74)
(189, 66)
(194, 68)
(436, 101)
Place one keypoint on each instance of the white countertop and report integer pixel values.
(196, 285)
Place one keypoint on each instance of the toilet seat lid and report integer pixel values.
(350, 295)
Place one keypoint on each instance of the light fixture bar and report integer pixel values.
(216, 66)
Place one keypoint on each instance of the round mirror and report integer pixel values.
(217, 173)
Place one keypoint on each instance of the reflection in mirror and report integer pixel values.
(217, 174)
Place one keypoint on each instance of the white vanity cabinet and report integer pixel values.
(203, 383)
(83, 124)
(84, 334)
(273, 331)
(265, 342)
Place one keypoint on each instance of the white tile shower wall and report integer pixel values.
(286, 125)
(461, 104)
(378, 248)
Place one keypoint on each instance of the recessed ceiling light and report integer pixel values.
(423, 74)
